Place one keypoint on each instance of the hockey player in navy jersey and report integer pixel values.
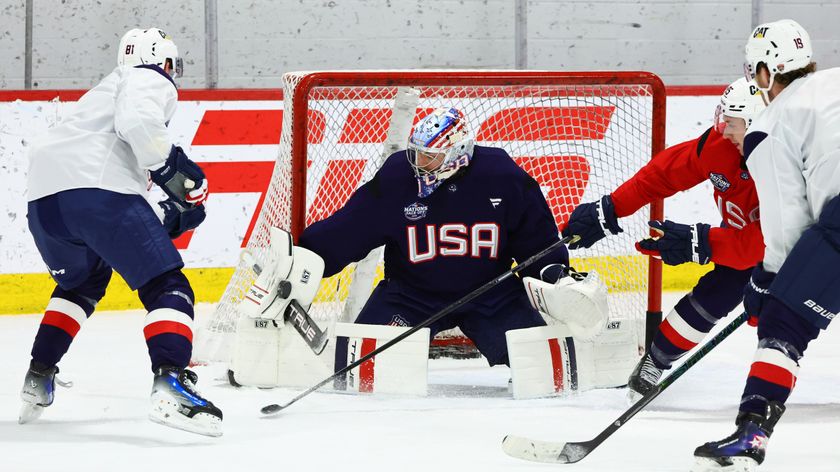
(452, 216)
(734, 247)
(793, 153)
(88, 214)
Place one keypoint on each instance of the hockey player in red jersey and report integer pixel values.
(735, 246)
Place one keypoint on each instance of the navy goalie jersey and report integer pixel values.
(467, 232)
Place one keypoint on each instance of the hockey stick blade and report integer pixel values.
(276, 408)
(545, 451)
(569, 453)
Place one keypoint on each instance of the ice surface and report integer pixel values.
(101, 424)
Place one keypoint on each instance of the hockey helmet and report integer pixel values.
(150, 46)
(782, 45)
(440, 144)
(742, 99)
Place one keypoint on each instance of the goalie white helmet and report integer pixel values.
(150, 46)
(782, 45)
(742, 99)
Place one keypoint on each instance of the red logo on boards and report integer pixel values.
(563, 178)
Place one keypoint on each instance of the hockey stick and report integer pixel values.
(275, 408)
(571, 452)
(295, 315)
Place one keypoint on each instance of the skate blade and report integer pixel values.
(739, 464)
(166, 413)
(29, 412)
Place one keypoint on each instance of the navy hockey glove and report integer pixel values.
(756, 292)
(678, 243)
(591, 221)
(181, 179)
(178, 219)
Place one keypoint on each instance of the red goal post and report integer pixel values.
(579, 134)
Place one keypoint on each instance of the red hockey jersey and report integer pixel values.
(737, 243)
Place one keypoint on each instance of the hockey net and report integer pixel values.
(580, 135)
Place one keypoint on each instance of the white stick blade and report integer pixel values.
(542, 451)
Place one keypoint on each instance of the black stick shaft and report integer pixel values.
(274, 408)
(667, 381)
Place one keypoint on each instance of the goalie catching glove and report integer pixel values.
(576, 299)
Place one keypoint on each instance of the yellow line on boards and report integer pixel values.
(29, 293)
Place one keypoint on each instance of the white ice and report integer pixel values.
(101, 424)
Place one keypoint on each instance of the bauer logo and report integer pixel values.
(415, 211)
(719, 181)
(820, 310)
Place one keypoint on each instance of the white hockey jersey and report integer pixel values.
(796, 167)
(116, 132)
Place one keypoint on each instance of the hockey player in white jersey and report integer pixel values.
(793, 153)
(88, 180)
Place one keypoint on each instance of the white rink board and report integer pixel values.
(216, 243)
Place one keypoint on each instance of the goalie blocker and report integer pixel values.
(282, 292)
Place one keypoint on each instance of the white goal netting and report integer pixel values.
(580, 135)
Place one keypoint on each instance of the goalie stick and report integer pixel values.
(571, 452)
(295, 315)
(276, 408)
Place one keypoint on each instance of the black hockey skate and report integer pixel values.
(643, 378)
(177, 404)
(38, 391)
(743, 450)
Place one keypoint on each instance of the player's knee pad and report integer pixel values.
(779, 322)
(548, 360)
(168, 290)
(91, 290)
(719, 291)
(69, 309)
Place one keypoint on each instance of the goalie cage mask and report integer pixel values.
(445, 138)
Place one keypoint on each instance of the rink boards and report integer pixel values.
(234, 136)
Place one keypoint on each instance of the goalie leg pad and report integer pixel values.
(402, 369)
(548, 360)
(256, 352)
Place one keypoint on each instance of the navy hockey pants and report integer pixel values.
(393, 304)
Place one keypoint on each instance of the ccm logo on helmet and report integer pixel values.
(453, 239)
